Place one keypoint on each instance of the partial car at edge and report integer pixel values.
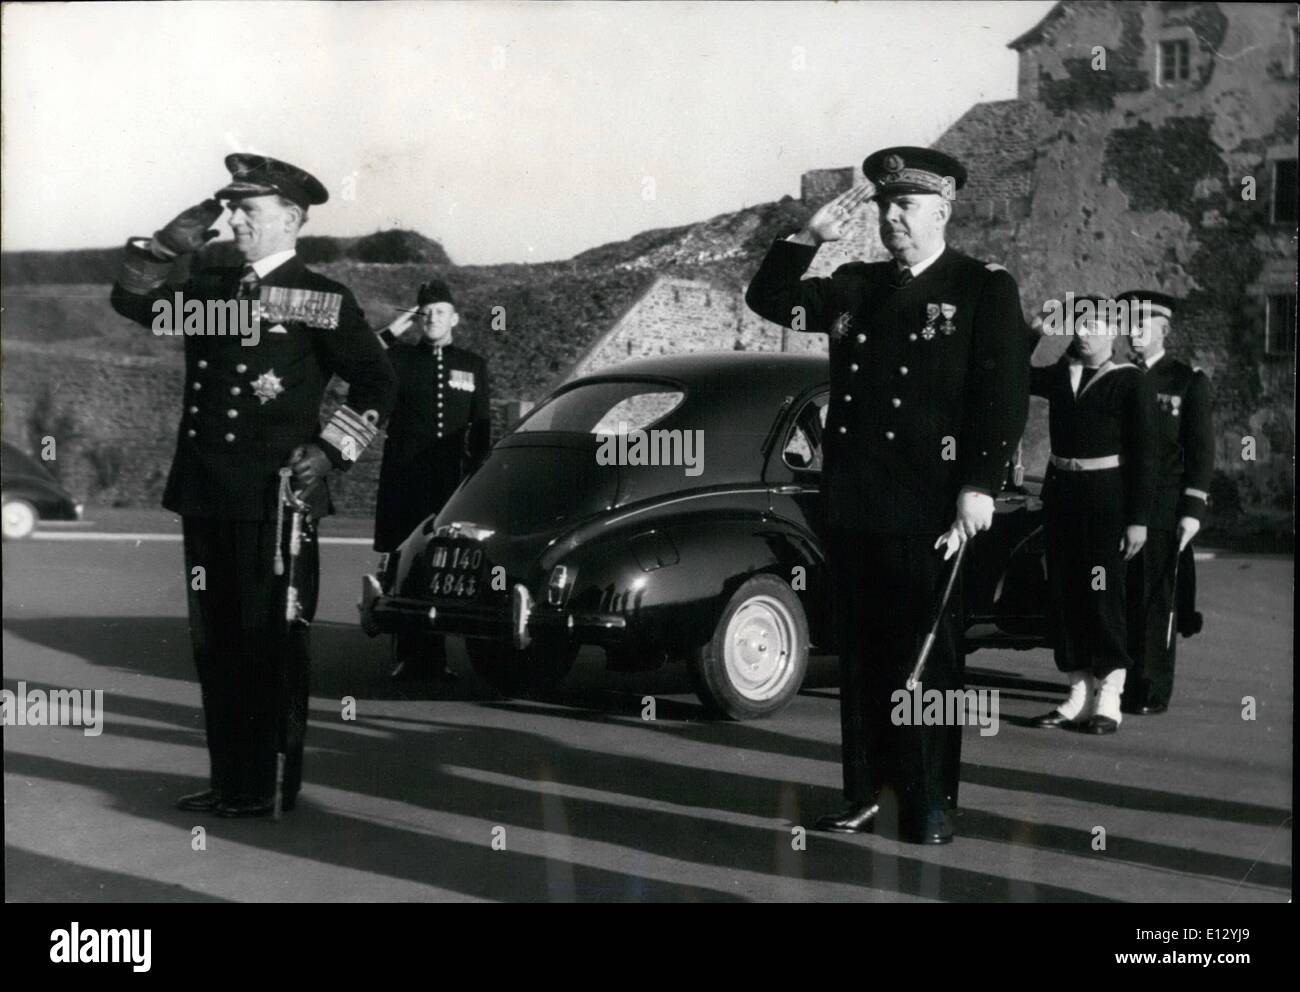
(30, 494)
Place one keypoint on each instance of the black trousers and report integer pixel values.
(254, 667)
(416, 478)
(1151, 596)
(886, 588)
(1086, 577)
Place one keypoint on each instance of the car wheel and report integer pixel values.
(754, 663)
(19, 519)
(513, 671)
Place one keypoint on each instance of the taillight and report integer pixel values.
(560, 584)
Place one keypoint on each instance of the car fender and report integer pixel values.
(670, 578)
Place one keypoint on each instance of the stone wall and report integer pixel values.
(131, 403)
(679, 315)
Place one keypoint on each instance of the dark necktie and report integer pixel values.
(1088, 373)
(249, 284)
(900, 277)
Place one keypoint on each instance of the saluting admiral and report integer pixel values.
(1096, 505)
(440, 430)
(247, 411)
(928, 399)
(1184, 458)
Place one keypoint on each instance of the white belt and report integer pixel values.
(1085, 464)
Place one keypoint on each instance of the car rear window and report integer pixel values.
(605, 408)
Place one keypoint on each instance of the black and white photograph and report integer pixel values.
(654, 452)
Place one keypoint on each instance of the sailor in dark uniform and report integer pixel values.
(251, 406)
(928, 398)
(440, 430)
(1096, 503)
(1184, 457)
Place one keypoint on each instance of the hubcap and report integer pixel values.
(18, 520)
(760, 646)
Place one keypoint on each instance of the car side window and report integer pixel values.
(802, 450)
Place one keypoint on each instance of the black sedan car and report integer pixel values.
(667, 509)
(30, 494)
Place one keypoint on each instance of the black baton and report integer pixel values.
(914, 679)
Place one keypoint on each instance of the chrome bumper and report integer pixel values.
(381, 613)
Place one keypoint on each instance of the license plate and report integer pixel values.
(455, 570)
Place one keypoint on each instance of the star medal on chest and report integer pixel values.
(840, 329)
(267, 386)
(949, 310)
(931, 316)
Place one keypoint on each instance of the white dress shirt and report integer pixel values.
(267, 265)
(925, 263)
(1152, 359)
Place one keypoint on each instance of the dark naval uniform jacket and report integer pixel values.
(1112, 414)
(1184, 441)
(1099, 481)
(1162, 580)
(440, 430)
(246, 408)
(928, 381)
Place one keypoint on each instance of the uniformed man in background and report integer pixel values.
(928, 398)
(1184, 460)
(1096, 504)
(440, 430)
(247, 411)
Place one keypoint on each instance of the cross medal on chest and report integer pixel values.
(932, 324)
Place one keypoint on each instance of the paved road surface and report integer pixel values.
(592, 801)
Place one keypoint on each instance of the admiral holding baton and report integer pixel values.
(928, 399)
(251, 406)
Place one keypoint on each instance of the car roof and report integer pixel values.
(726, 391)
(759, 369)
(732, 397)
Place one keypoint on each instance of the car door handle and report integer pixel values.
(787, 490)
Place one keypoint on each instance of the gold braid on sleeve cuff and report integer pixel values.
(350, 432)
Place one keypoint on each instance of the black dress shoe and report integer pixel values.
(1101, 725)
(199, 802)
(934, 828)
(1151, 709)
(1053, 719)
(858, 819)
(245, 809)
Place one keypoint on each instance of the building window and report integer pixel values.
(1279, 325)
(1175, 62)
(1284, 191)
